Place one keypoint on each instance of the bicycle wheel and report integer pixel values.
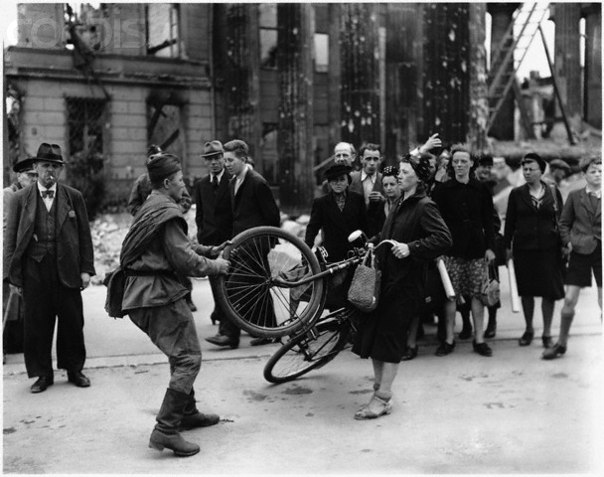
(307, 352)
(250, 292)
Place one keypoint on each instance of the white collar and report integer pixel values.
(219, 175)
(52, 188)
(242, 174)
(364, 176)
(597, 193)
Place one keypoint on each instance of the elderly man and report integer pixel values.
(155, 252)
(48, 260)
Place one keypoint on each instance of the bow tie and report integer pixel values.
(48, 193)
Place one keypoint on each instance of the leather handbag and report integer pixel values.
(364, 289)
(490, 288)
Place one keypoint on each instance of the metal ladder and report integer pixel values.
(526, 21)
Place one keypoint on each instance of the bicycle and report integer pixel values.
(276, 286)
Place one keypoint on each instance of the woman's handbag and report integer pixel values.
(364, 290)
(490, 288)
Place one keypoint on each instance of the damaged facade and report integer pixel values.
(290, 79)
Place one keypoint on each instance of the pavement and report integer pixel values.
(461, 414)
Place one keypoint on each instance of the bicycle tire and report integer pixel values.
(304, 353)
(248, 293)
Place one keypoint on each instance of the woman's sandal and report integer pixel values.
(381, 407)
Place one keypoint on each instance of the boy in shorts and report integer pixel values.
(581, 233)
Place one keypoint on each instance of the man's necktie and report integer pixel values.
(215, 182)
(48, 193)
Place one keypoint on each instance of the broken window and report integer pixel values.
(321, 52)
(268, 34)
(85, 123)
(163, 30)
(164, 125)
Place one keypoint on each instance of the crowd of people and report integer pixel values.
(435, 203)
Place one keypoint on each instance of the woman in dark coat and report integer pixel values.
(419, 234)
(532, 238)
(336, 215)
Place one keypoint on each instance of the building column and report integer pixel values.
(567, 62)
(593, 64)
(242, 76)
(501, 17)
(445, 68)
(479, 105)
(295, 139)
(360, 85)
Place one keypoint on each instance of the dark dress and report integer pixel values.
(416, 222)
(535, 240)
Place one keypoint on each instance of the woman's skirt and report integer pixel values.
(539, 273)
(383, 333)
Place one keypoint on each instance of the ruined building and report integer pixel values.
(290, 79)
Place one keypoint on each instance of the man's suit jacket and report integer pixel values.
(336, 224)
(73, 240)
(357, 186)
(254, 204)
(581, 222)
(214, 214)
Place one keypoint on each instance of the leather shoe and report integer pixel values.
(223, 340)
(78, 378)
(410, 353)
(465, 333)
(482, 349)
(490, 332)
(261, 341)
(41, 384)
(445, 348)
(554, 352)
(527, 338)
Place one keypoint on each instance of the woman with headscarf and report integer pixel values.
(418, 234)
(532, 239)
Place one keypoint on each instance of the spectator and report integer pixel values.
(139, 193)
(154, 248)
(12, 335)
(337, 214)
(558, 171)
(581, 231)
(379, 210)
(419, 234)
(48, 260)
(213, 212)
(253, 205)
(368, 181)
(532, 239)
(467, 208)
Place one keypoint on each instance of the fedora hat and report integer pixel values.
(50, 153)
(24, 165)
(338, 170)
(211, 148)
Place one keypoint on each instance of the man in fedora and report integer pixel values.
(253, 205)
(48, 260)
(213, 214)
(13, 324)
